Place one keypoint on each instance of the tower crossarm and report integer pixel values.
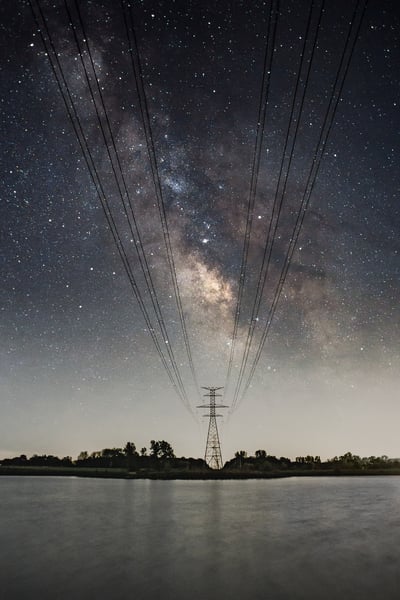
(212, 415)
(212, 388)
(214, 405)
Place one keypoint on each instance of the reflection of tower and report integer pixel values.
(213, 455)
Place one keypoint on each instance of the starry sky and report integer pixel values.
(245, 117)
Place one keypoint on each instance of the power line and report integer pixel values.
(139, 245)
(141, 255)
(337, 89)
(262, 110)
(122, 187)
(145, 115)
(96, 180)
(280, 193)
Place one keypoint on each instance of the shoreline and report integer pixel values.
(188, 475)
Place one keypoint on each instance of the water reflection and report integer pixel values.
(333, 538)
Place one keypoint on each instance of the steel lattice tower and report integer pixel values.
(213, 456)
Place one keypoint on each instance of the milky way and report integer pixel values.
(79, 367)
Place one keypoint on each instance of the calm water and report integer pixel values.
(325, 539)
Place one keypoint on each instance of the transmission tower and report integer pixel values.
(213, 456)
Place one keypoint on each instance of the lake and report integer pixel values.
(287, 539)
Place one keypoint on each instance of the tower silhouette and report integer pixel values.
(213, 456)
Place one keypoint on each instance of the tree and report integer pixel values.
(240, 456)
(260, 454)
(161, 450)
(166, 450)
(154, 449)
(130, 449)
(130, 453)
(111, 452)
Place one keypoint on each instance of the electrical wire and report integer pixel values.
(351, 39)
(280, 193)
(262, 111)
(63, 87)
(134, 230)
(145, 115)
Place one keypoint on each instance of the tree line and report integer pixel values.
(160, 456)
(261, 461)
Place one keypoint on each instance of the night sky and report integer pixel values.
(254, 112)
